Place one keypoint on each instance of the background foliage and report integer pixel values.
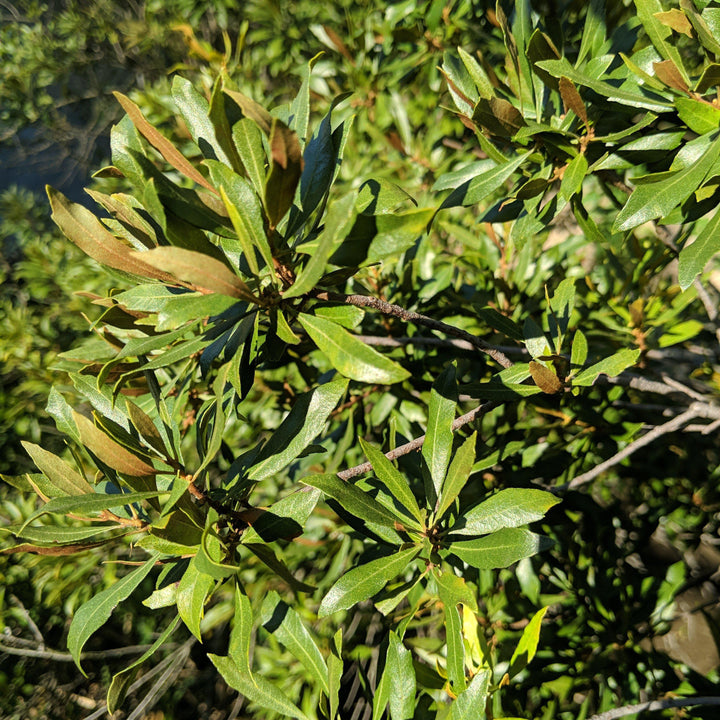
(573, 162)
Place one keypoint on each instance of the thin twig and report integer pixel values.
(415, 444)
(67, 657)
(402, 341)
(655, 706)
(387, 308)
(34, 629)
(694, 411)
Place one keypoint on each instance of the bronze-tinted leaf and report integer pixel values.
(199, 270)
(52, 549)
(94, 239)
(677, 20)
(286, 165)
(112, 454)
(668, 72)
(252, 110)
(545, 378)
(571, 98)
(161, 143)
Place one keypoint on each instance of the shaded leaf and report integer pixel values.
(286, 164)
(694, 257)
(457, 475)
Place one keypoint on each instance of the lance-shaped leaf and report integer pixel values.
(437, 447)
(284, 519)
(303, 424)
(286, 164)
(265, 554)
(82, 227)
(694, 257)
(454, 589)
(475, 190)
(112, 454)
(256, 688)
(161, 143)
(527, 647)
(65, 478)
(457, 475)
(655, 200)
(453, 639)
(245, 212)
(250, 109)
(192, 592)
(364, 581)
(401, 675)
(509, 508)
(96, 612)
(659, 33)
(121, 681)
(88, 504)
(471, 702)
(500, 549)
(56, 533)
(338, 222)
(284, 623)
(354, 500)
(610, 366)
(393, 479)
(195, 111)
(248, 141)
(197, 269)
(349, 355)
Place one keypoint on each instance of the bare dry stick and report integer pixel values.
(694, 411)
(411, 316)
(415, 444)
(655, 706)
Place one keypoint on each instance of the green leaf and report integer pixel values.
(199, 270)
(396, 484)
(562, 68)
(527, 647)
(245, 212)
(457, 475)
(248, 140)
(286, 163)
(472, 701)
(364, 581)
(354, 500)
(195, 111)
(655, 200)
(320, 159)
(610, 366)
(120, 682)
(401, 675)
(480, 187)
(303, 424)
(350, 356)
(284, 623)
(96, 612)
(83, 504)
(192, 592)
(338, 222)
(694, 257)
(284, 519)
(397, 232)
(335, 671)
(701, 117)
(509, 508)
(266, 555)
(58, 534)
(256, 688)
(453, 639)
(437, 447)
(241, 633)
(660, 35)
(573, 177)
(501, 549)
(455, 590)
(65, 478)
(578, 354)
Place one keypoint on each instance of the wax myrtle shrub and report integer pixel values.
(280, 335)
